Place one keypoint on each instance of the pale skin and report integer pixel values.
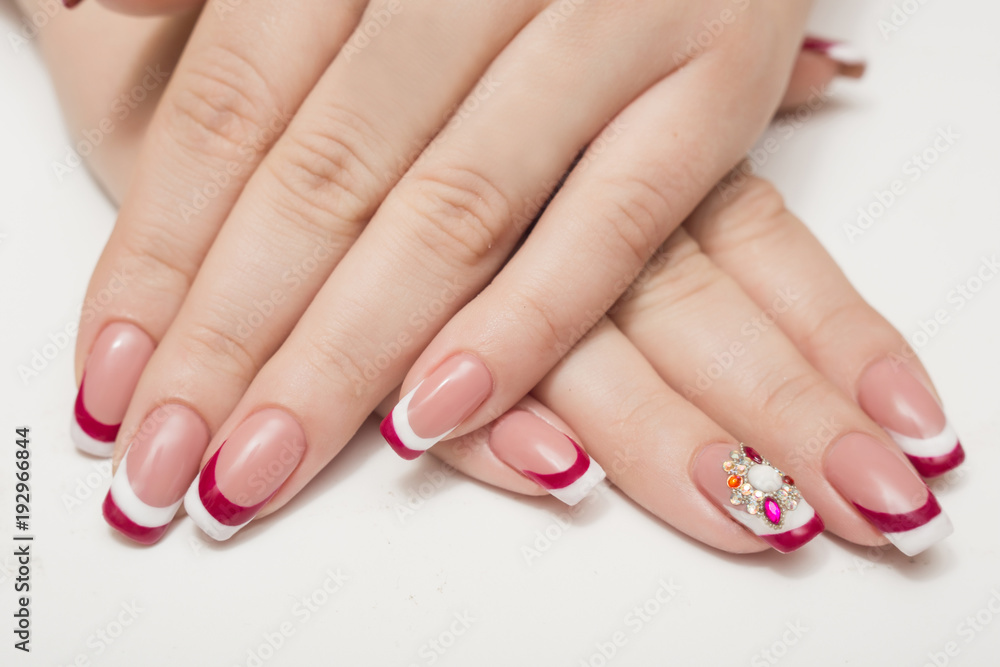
(702, 278)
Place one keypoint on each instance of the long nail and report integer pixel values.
(758, 495)
(109, 379)
(543, 453)
(887, 493)
(436, 406)
(908, 412)
(245, 472)
(851, 63)
(157, 469)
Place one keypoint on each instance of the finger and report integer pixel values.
(750, 378)
(310, 198)
(819, 62)
(765, 248)
(224, 105)
(616, 207)
(152, 7)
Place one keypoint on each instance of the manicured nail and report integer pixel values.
(543, 453)
(886, 492)
(109, 379)
(157, 469)
(903, 406)
(852, 63)
(245, 472)
(436, 406)
(758, 495)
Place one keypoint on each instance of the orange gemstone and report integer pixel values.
(734, 481)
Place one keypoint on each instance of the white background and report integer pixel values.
(460, 552)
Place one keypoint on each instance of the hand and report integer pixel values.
(125, 383)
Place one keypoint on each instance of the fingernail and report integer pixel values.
(852, 63)
(758, 495)
(543, 453)
(896, 400)
(70, 4)
(109, 379)
(887, 493)
(245, 472)
(436, 406)
(157, 469)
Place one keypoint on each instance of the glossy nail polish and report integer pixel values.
(245, 472)
(852, 63)
(543, 453)
(896, 400)
(886, 492)
(157, 469)
(109, 378)
(758, 495)
(436, 406)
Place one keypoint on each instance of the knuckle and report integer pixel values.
(341, 368)
(632, 216)
(463, 214)
(325, 171)
(221, 104)
(835, 323)
(686, 274)
(781, 396)
(160, 256)
(217, 347)
(755, 212)
(535, 320)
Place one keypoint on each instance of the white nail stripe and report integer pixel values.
(579, 489)
(912, 542)
(208, 523)
(797, 518)
(401, 422)
(133, 507)
(937, 445)
(87, 444)
(845, 54)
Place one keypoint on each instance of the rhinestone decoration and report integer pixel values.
(770, 506)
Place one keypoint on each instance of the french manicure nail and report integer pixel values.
(245, 472)
(109, 378)
(157, 469)
(886, 492)
(436, 406)
(896, 400)
(541, 452)
(758, 495)
(852, 63)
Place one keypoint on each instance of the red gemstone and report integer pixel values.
(752, 454)
(788, 480)
(772, 510)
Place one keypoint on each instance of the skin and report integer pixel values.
(587, 388)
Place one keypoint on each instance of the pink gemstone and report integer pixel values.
(753, 455)
(772, 510)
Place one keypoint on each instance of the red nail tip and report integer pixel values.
(898, 523)
(794, 539)
(388, 431)
(117, 520)
(89, 425)
(221, 508)
(932, 466)
(560, 480)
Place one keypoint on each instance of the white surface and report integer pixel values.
(430, 557)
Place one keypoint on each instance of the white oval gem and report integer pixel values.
(765, 478)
